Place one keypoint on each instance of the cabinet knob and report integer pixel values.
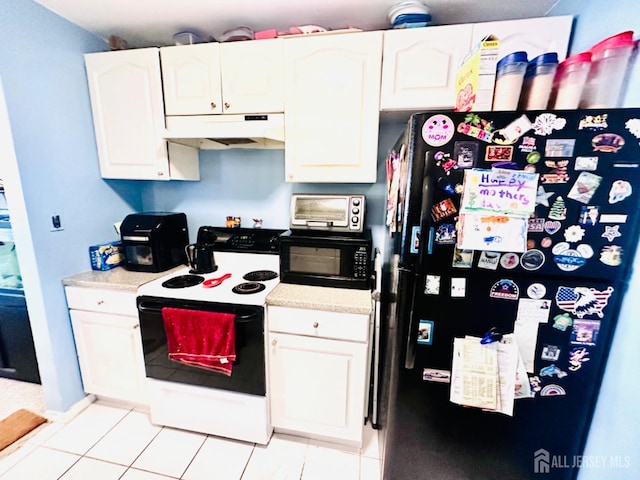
(274, 341)
(213, 105)
(226, 105)
(100, 302)
(315, 324)
(160, 174)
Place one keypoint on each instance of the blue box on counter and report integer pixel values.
(106, 256)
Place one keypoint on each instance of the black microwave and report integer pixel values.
(326, 260)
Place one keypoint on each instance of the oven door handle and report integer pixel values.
(156, 308)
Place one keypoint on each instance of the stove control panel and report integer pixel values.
(253, 240)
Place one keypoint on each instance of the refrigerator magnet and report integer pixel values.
(589, 215)
(459, 287)
(620, 189)
(611, 255)
(611, 232)
(557, 173)
(607, 142)
(489, 260)
(542, 197)
(562, 322)
(582, 301)
(425, 332)
(432, 285)
(532, 259)
(578, 356)
(574, 234)
(512, 132)
(528, 145)
(436, 375)
(509, 260)
(593, 122)
(586, 163)
(585, 332)
(552, 390)
(462, 258)
(559, 147)
(446, 234)
(550, 353)
(535, 225)
(552, 226)
(536, 291)
(415, 240)
(505, 289)
(466, 153)
(437, 130)
(552, 370)
(558, 210)
(496, 153)
(443, 209)
(633, 125)
(546, 123)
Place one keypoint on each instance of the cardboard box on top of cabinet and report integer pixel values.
(476, 77)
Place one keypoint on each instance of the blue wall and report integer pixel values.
(42, 71)
(616, 423)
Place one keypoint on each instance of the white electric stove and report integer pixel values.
(197, 399)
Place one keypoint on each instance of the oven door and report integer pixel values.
(248, 374)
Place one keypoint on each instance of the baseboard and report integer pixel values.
(72, 412)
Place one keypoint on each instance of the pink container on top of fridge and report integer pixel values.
(609, 67)
(571, 75)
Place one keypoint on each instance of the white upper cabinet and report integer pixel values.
(253, 77)
(191, 79)
(128, 116)
(332, 98)
(420, 64)
(214, 78)
(532, 35)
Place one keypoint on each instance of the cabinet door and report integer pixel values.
(318, 386)
(128, 115)
(110, 355)
(419, 66)
(332, 98)
(191, 79)
(252, 76)
(532, 35)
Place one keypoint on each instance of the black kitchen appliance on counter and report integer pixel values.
(154, 241)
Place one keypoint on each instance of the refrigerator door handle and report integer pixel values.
(412, 335)
(425, 217)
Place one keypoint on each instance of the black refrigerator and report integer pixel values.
(503, 225)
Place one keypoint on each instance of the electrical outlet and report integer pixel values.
(56, 223)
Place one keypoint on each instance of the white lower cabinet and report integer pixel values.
(318, 385)
(108, 343)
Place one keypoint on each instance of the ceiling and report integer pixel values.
(145, 23)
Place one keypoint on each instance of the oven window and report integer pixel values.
(316, 260)
(139, 254)
(324, 209)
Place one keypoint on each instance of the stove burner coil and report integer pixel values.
(183, 281)
(248, 287)
(260, 276)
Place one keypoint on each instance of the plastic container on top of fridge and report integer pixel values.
(509, 77)
(571, 75)
(538, 80)
(609, 67)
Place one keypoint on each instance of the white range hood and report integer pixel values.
(214, 132)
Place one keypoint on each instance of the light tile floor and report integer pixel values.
(108, 443)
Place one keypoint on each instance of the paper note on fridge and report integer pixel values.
(498, 233)
(500, 191)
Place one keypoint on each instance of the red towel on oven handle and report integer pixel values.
(201, 339)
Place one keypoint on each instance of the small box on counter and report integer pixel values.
(106, 256)
(476, 77)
